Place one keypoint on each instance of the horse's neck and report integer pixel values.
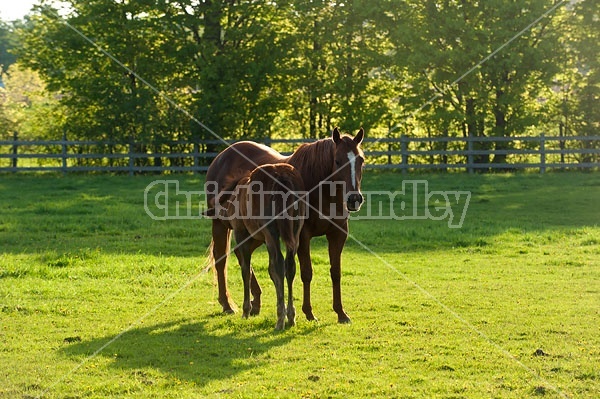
(313, 168)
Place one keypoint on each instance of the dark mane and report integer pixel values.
(314, 161)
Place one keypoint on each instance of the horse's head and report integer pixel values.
(349, 162)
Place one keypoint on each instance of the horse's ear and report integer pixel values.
(336, 135)
(359, 136)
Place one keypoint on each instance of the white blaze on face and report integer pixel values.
(352, 161)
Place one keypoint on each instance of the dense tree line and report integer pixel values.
(116, 68)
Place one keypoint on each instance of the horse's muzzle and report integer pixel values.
(354, 201)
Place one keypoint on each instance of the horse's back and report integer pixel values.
(278, 174)
(235, 162)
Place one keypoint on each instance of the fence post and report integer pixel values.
(404, 153)
(64, 153)
(15, 150)
(196, 156)
(542, 153)
(389, 146)
(470, 157)
(131, 152)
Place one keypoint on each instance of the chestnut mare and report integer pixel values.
(265, 206)
(331, 170)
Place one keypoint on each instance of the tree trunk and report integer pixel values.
(313, 101)
(475, 129)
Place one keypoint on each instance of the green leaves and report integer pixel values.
(252, 69)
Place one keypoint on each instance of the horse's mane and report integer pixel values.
(314, 161)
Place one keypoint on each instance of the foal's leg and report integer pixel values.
(243, 254)
(221, 235)
(277, 271)
(290, 273)
(245, 266)
(306, 273)
(254, 286)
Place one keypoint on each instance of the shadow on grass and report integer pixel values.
(188, 351)
(551, 206)
(67, 214)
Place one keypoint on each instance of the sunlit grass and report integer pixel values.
(506, 306)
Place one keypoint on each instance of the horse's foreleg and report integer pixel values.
(290, 273)
(247, 306)
(277, 273)
(221, 236)
(306, 273)
(336, 242)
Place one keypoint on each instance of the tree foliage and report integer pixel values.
(125, 69)
(8, 40)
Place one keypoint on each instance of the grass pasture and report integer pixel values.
(99, 300)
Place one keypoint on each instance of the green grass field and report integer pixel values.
(98, 300)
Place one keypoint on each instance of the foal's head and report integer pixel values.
(349, 162)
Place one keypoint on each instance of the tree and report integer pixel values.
(26, 107)
(105, 101)
(584, 47)
(250, 69)
(235, 51)
(218, 59)
(452, 37)
(8, 41)
(339, 73)
(579, 82)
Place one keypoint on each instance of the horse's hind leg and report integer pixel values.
(254, 286)
(221, 235)
(290, 273)
(243, 254)
(256, 293)
(277, 271)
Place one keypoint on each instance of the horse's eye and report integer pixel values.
(338, 162)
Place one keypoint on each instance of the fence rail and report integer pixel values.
(400, 153)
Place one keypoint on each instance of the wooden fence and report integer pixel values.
(401, 153)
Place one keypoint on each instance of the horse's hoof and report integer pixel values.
(344, 319)
(256, 302)
(280, 326)
(228, 307)
(254, 311)
(291, 319)
(311, 317)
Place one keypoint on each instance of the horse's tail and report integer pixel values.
(209, 262)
